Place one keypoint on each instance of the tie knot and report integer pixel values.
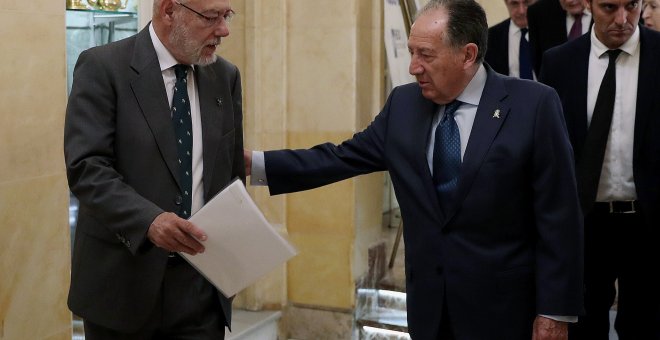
(577, 16)
(523, 31)
(181, 71)
(613, 54)
(451, 108)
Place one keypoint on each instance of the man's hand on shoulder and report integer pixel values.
(173, 233)
(247, 158)
(548, 329)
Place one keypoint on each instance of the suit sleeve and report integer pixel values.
(558, 217)
(297, 170)
(89, 139)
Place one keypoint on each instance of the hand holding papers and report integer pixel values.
(241, 246)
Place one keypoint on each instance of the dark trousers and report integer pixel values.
(187, 309)
(619, 250)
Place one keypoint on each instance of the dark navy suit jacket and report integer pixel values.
(566, 69)
(508, 246)
(547, 28)
(497, 54)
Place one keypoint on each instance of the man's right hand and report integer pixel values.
(175, 234)
(247, 158)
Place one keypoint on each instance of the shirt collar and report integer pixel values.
(630, 46)
(165, 58)
(513, 28)
(472, 92)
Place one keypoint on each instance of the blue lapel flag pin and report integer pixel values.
(496, 114)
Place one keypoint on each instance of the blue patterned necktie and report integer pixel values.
(182, 121)
(524, 57)
(447, 153)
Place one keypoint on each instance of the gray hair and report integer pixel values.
(467, 23)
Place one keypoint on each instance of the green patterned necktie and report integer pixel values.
(182, 122)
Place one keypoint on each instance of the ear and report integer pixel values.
(587, 4)
(470, 55)
(166, 10)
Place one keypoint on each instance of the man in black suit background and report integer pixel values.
(508, 51)
(608, 82)
(137, 107)
(554, 22)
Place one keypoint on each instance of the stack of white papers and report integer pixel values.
(241, 246)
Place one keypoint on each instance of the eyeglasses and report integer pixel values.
(214, 19)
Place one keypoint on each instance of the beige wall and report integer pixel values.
(34, 241)
(495, 11)
(312, 72)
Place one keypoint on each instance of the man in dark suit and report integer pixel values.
(493, 230)
(508, 50)
(139, 169)
(618, 172)
(552, 23)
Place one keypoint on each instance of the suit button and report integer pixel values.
(178, 200)
(439, 270)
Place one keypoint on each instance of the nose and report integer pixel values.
(621, 17)
(222, 29)
(646, 13)
(415, 67)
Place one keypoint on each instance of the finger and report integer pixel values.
(193, 231)
(191, 243)
(247, 158)
(181, 247)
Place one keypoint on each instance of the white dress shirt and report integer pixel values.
(464, 115)
(167, 62)
(514, 50)
(616, 179)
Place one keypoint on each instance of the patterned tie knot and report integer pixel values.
(181, 71)
(450, 109)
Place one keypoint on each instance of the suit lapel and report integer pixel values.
(150, 94)
(485, 128)
(211, 104)
(645, 87)
(422, 111)
(576, 93)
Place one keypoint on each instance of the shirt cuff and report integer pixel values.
(258, 170)
(563, 318)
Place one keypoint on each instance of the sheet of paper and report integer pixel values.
(241, 246)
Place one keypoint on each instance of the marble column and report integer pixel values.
(34, 246)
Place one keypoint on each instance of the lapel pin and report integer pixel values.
(496, 114)
(218, 101)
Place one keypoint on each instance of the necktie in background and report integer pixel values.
(524, 58)
(182, 122)
(447, 153)
(591, 160)
(576, 29)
